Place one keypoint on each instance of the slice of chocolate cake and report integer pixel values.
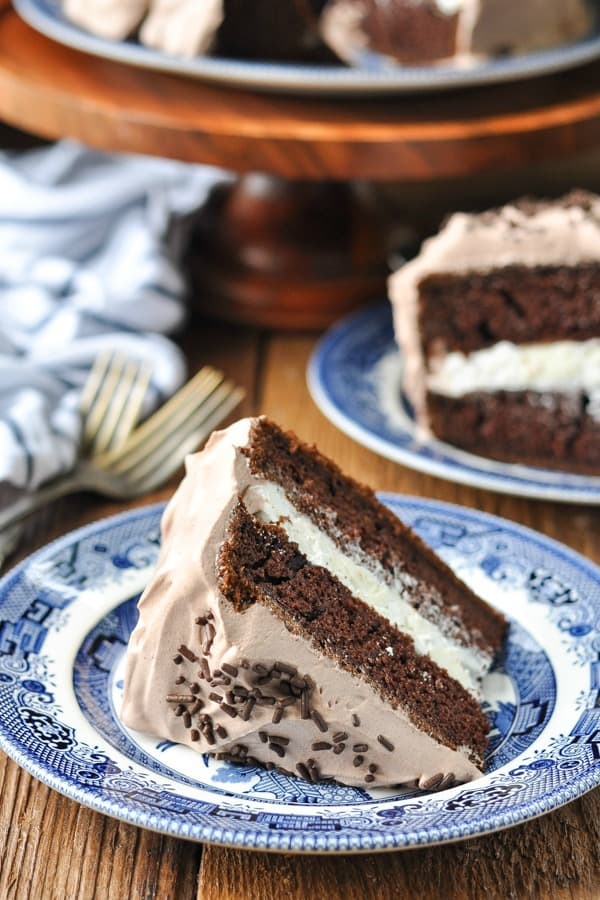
(498, 320)
(294, 622)
(424, 31)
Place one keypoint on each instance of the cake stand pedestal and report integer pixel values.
(312, 253)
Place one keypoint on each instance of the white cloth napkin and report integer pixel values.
(89, 251)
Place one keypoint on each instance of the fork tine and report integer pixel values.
(124, 405)
(93, 381)
(101, 402)
(161, 470)
(175, 411)
(133, 408)
(138, 465)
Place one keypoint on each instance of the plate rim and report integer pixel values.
(584, 783)
(504, 484)
(307, 79)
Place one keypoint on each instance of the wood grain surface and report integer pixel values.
(51, 847)
(53, 91)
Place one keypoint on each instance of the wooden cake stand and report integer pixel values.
(277, 252)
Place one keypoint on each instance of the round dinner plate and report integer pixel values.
(66, 614)
(354, 376)
(373, 77)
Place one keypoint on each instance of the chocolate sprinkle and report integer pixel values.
(204, 669)
(284, 667)
(372, 768)
(194, 734)
(178, 659)
(195, 688)
(358, 761)
(278, 749)
(304, 707)
(286, 701)
(360, 748)
(263, 736)
(355, 720)
(208, 734)
(187, 720)
(240, 690)
(260, 669)
(301, 768)
(319, 721)
(230, 697)
(265, 701)
(230, 710)
(222, 732)
(180, 698)
(429, 784)
(277, 715)
(279, 739)
(200, 620)
(215, 697)
(385, 743)
(320, 745)
(180, 679)
(339, 748)
(339, 736)
(180, 710)
(189, 654)
(248, 707)
(231, 670)
(196, 707)
(298, 683)
(369, 778)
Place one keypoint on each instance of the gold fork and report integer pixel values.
(151, 454)
(110, 405)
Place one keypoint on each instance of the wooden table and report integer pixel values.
(51, 847)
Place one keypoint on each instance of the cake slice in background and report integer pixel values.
(293, 622)
(498, 319)
(417, 32)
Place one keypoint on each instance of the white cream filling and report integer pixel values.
(561, 366)
(467, 665)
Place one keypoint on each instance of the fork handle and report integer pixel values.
(24, 506)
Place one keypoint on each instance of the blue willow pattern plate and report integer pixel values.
(373, 76)
(67, 612)
(354, 377)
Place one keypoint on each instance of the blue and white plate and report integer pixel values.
(67, 612)
(355, 378)
(375, 76)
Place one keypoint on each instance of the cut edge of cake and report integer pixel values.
(498, 322)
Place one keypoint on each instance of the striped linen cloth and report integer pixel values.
(89, 252)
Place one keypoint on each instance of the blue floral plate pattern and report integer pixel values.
(373, 76)
(67, 612)
(354, 377)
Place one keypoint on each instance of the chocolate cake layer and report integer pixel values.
(257, 564)
(549, 430)
(284, 30)
(353, 518)
(409, 32)
(472, 310)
